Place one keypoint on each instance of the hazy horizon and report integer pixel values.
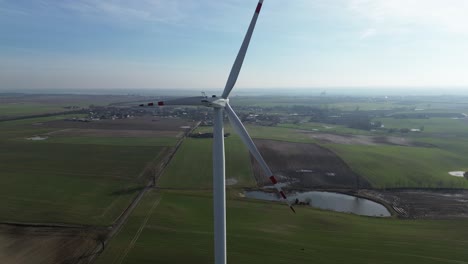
(313, 91)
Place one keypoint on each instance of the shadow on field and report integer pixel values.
(127, 191)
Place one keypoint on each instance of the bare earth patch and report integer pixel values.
(30, 245)
(364, 140)
(427, 204)
(301, 165)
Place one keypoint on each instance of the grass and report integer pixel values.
(179, 230)
(27, 127)
(364, 106)
(181, 221)
(19, 130)
(445, 126)
(112, 141)
(268, 132)
(90, 181)
(86, 184)
(191, 167)
(28, 108)
(457, 145)
(81, 180)
(24, 105)
(396, 166)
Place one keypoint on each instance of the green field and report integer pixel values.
(36, 104)
(19, 129)
(69, 183)
(91, 180)
(179, 230)
(168, 222)
(444, 126)
(20, 109)
(191, 167)
(268, 132)
(80, 180)
(396, 166)
(111, 141)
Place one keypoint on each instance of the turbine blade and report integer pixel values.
(236, 67)
(240, 129)
(196, 100)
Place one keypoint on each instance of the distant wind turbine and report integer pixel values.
(219, 104)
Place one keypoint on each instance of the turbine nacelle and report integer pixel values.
(216, 102)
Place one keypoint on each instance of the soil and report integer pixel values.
(423, 204)
(305, 166)
(365, 140)
(24, 245)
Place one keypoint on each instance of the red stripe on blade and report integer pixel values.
(282, 194)
(273, 180)
(259, 6)
(150, 104)
(160, 103)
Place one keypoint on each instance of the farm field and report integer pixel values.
(78, 179)
(386, 160)
(319, 127)
(267, 132)
(439, 104)
(396, 161)
(87, 173)
(171, 222)
(440, 148)
(191, 167)
(46, 245)
(399, 166)
(304, 166)
(14, 105)
(68, 182)
(431, 126)
(168, 220)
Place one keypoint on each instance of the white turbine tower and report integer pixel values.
(219, 104)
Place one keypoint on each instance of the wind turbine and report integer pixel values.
(220, 105)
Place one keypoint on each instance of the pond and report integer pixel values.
(329, 201)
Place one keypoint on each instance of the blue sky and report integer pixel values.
(192, 43)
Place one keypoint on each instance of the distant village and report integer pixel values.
(265, 116)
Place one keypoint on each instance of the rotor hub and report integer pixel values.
(215, 102)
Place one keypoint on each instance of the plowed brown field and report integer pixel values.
(305, 166)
